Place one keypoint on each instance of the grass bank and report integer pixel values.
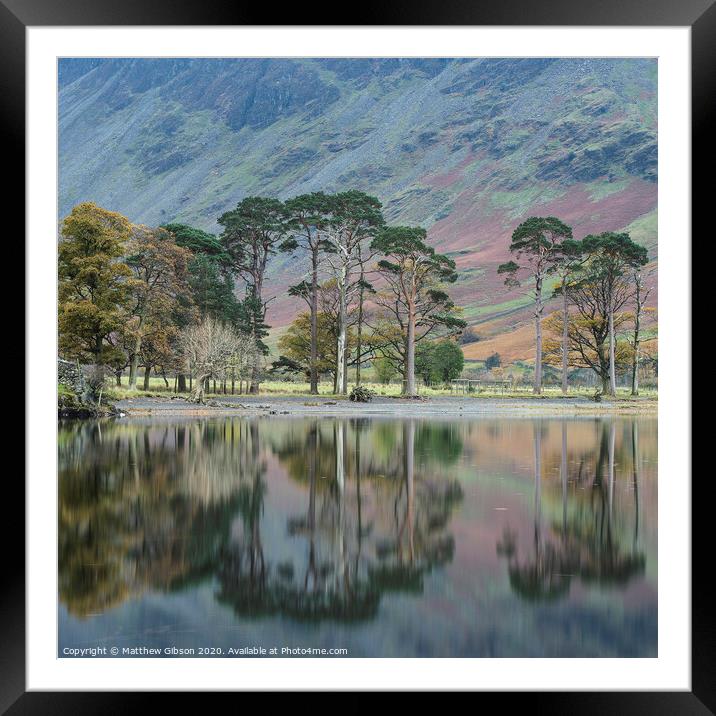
(158, 389)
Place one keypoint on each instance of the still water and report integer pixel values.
(383, 537)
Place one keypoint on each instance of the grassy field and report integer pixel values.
(158, 388)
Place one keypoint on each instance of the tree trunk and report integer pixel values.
(565, 340)
(341, 382)
(134, 365)
(359, 336)
(537, 389)
(255, 380)
(147, 372)
(612, 355)
(637, 326)
(410, 354)
(314, 323)
(118, 377)
(344, 387)
(97, 352)
(635, 371)
(181, 379)
(198, 395)
(404, 372)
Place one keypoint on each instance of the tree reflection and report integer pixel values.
(132, 514)
(588, 543)
(321, 519)
(342, 577)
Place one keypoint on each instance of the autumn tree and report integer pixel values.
(159, 281)
(252, 234)
(613, 257)
(588, 325)
(159, 350)
(536, 246)
(295, 344)
(355, 218)
(414, 275)
(93, 289)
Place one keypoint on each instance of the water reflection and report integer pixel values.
(317, 521)
(590, 543)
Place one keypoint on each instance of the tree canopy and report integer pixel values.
(93, 290)
(414, 298)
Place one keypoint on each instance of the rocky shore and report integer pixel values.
(436, 407)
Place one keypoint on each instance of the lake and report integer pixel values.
(376, 537)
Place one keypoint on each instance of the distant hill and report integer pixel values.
(466, 148)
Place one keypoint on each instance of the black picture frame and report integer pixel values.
(700, 15)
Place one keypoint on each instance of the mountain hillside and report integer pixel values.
(466, 148)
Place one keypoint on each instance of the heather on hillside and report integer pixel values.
(465, 148)
(339, 217)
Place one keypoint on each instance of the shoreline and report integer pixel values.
(435, 407)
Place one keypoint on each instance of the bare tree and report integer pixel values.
(211, 349)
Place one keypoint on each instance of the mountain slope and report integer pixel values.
(467, 148)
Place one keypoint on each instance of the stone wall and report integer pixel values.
(70, 374)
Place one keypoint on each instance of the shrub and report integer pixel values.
(469, 335)
(360, 394)
(493, 361)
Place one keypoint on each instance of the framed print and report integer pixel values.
(343, 353)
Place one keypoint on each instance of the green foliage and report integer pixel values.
(613, 253)
(407, 246)
(414, 273)
(213, 291)
(356, 213)
(384, 370)
(253, 232)
(199, 242)
(537, 243)
(493, 361)
(308, 216)
(210, 278)
(439, 361)
(285, 366)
